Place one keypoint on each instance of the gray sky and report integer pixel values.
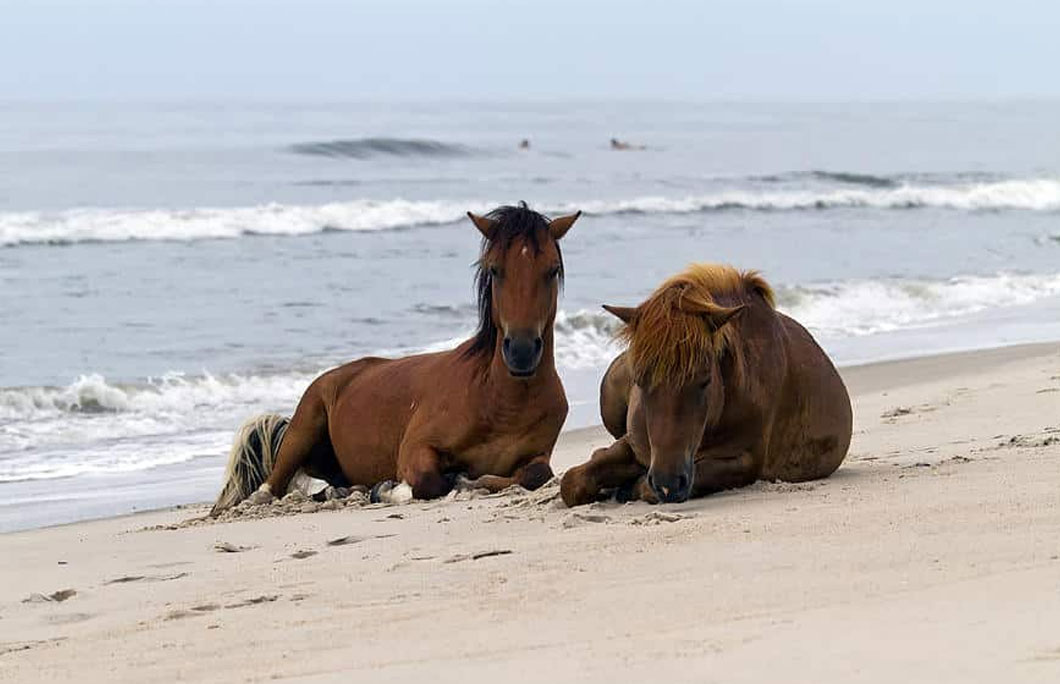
(540, 49)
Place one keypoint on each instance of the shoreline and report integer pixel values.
(861, 377)
(933, 551)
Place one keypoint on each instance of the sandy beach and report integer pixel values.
(932, 555)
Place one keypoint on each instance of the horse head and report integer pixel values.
(520, 271)
(676, 342)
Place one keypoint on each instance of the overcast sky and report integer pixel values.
(539, 49)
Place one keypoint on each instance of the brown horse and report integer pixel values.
(491, 409)
(716, 390)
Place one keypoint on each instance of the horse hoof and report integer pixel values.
(380, 493)
(401, 493)
(391, 492)
(262, 495)
(375, 495)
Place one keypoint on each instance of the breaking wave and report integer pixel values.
(868, 307)
(107, 225)
(92, 426)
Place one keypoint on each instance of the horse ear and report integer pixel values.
(715, 314)
(486, 226)
(626, 314)
(558, 227)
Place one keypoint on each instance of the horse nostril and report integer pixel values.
(538, 343)
(682, 483)
(507, 344)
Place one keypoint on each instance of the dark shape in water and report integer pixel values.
(363, 148)
(855, 178)
(833, 176)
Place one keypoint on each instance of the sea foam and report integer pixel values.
(108, 225)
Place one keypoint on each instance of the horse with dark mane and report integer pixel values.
(490, 409)
(715, 390)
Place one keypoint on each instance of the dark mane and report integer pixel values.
(514, 223)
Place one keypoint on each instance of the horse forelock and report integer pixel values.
(667, 344)
(515, 225)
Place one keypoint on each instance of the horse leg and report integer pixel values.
(420, 467)
(529, 476)
(309, 426)
(612, 466)
(719, 470)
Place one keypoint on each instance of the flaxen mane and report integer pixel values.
(668, 344)
(513, 224)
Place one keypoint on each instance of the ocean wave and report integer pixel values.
(585, 339)
(114, 225)
(868, 307)
(108, 425)
(1029, 195)
(174, 392)
(106, 225)
(364, 148)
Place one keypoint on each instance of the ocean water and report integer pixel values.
(167, 270)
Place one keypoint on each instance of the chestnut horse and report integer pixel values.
(491, 409)
(716, 390)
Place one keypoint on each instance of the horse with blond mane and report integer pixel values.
(491, 409)
(715, 390)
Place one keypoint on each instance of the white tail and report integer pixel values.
(251, 459)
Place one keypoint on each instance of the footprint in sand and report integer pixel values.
(68, 618)
(227, 547)
(146, 578)
(579, 519)
(459, 557)
(54, 597)
(205, 608)
(897, 412)
(658, 518)
(351, 539)
(264, 598)
(15, 646)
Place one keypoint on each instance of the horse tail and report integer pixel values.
(251, 458)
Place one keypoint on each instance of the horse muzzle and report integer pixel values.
(671, 487)
(522, 354)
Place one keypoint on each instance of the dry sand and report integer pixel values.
(933, 555)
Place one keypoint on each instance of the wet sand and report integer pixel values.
(932, 555)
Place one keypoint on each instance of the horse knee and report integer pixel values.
(429, 485)
(535, 475)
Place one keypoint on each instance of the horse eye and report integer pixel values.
(494, 273)
(705, 384)
(553, 273)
